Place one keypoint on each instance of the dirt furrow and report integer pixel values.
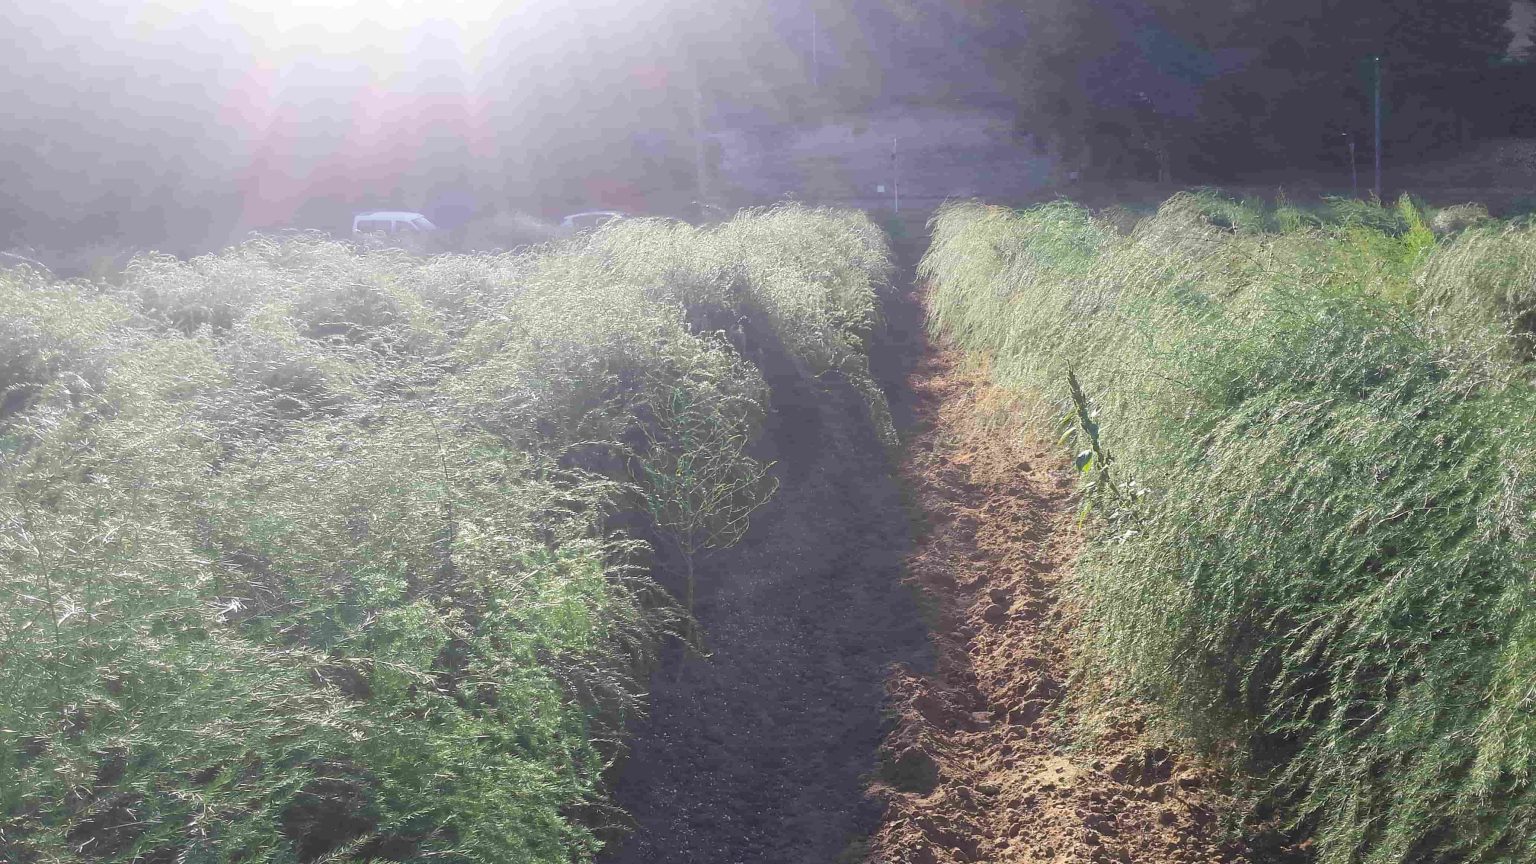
(983, 766)
(760, 753)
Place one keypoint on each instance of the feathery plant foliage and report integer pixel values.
(307, 549)
(1327, 559)
(1487, 275)
(813, 275)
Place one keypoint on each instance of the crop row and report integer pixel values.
(312, 552)
(1306, 439)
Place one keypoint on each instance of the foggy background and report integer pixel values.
(182, 125)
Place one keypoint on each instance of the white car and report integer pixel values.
(391, 222)
(589, 220)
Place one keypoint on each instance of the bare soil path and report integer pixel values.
(761, 753)
(887, 656)
(983, 767)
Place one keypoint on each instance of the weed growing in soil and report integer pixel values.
(312, 552)
(1332, 419)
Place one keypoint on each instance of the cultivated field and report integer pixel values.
(318, 553)
(1305, 438)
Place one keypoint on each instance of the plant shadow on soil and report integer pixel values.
(762, 751)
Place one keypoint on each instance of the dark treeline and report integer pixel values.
(1212, 90)
(1205, 91)
(186, 130)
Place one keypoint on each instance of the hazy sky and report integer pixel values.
(335, 98)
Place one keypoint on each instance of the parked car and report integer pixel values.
(586, 221)
(391, 222)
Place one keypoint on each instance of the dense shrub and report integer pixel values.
(503, 230)
(309, 551)
(1310, 492)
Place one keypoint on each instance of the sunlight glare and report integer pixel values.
(347, 27)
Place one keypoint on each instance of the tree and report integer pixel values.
(1230, 87)
(1310, 76)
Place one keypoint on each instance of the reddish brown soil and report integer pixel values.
(982, 765)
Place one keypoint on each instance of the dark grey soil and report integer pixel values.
(761, 752)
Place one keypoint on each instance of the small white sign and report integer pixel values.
(880, 189)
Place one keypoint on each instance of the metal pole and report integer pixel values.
(895, 181)
(1354, 173)
(1378, 127)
